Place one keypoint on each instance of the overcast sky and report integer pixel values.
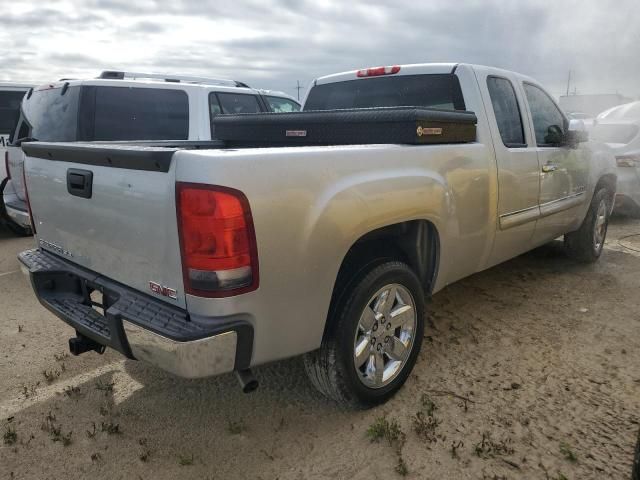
(272, 44)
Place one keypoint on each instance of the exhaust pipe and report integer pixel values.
(81, 344)
(248, 382)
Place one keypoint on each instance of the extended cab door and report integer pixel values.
(517, 162)
(564, 170)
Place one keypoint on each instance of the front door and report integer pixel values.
(517, 161)
(563, 171)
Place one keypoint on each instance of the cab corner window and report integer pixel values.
(548, 122)
(507, 112)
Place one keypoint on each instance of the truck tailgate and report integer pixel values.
(110, 210)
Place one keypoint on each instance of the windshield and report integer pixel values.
(433, 90)
(614, 133)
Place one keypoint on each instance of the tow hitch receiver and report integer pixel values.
(81, 344)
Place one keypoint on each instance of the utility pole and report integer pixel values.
(568, 82)
(298, 88)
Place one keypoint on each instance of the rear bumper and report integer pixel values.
(139, 326)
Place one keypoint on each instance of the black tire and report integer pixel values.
(332, 368)
(584, 245)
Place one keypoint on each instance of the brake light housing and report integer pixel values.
(217, 240)
(378, 71)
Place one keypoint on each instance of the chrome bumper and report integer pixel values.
(198, 358)
(137, 325)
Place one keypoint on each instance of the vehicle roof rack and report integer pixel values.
(119, 75)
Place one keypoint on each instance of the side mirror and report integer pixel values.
(577, 132)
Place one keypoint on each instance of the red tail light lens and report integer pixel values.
(217, 240)
(26, 196)
(6, 164)
(377, 71)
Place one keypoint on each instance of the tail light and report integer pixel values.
(217, 240)
(26, 196)
(6, 164)
(628, 160)
(377, 71)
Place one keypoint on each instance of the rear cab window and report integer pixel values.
(507, 111)
(427, 90)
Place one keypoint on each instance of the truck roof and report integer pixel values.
(15, 85)
(410, 69)
(112, 78)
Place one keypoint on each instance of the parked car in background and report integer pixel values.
(619, 128)
(10, 97)
(126, 106)
(209, 261)
(585, 117)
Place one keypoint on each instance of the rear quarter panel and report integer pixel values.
(311, 204)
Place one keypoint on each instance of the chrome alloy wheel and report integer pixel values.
(385, 336)
(600, 226)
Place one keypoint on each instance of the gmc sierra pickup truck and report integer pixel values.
(210, 259)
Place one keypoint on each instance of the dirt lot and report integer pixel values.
(530, 370)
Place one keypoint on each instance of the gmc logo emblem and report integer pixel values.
(164, 291)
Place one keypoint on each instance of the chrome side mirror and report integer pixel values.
(577, 132)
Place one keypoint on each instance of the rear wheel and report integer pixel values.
(374, 338)
(586, 243)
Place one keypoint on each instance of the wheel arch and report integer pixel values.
(414, 242)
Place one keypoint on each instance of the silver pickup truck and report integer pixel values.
(211, 260)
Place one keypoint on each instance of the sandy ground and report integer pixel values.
(530, 370)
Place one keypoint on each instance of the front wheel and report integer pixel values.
(586, 243)
(374, 337)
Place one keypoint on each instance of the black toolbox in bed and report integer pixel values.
(402, 125)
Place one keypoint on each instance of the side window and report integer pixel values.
(282, 105)
(238, 103)
(507, 111)
(123, 113)
(214, 105)
(548, 121)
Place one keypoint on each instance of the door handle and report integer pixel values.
(80, 182)
(549, 168)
